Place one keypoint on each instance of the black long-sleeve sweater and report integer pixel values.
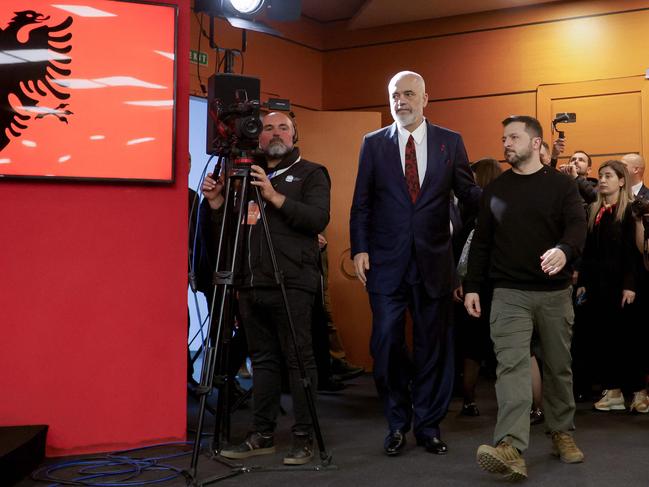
(521, 217)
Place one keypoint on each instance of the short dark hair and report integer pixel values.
(532, 125)
(486, 170)
(546, 145)
(590, 161)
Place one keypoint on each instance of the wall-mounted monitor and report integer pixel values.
(87, 89)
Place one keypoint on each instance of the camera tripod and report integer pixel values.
(238, 190)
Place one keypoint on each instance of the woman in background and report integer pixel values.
(607, 281)
(473, 342)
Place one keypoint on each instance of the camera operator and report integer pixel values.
(579, 168)
(296, 196)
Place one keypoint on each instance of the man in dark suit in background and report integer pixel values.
(635, 165)
(401, 246)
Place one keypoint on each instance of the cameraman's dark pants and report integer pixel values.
(269, 337)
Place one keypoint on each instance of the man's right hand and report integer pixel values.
(558, 147)
(362, 264)
(570, 170)
(472, 304)
(213, 191)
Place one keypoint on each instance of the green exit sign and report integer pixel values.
(198, 57)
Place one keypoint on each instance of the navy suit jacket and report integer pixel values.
(388, 226)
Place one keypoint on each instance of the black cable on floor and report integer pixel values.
(116, 469)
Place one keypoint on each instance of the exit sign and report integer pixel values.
(198, 57)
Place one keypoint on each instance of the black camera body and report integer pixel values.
(640, 207)
(233, 115)
(237, 127)
(640, 210)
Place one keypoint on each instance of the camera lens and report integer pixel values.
(249, 127)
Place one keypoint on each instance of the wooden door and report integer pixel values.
(611, 114)
(333, 139)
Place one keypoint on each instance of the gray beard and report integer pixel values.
(277, 150)
(404, 119)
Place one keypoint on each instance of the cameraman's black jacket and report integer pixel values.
(294, 229)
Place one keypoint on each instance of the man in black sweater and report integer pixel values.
(530, 226)
(296, 196)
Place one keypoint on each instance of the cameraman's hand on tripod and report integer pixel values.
(266, 187)
(213, 191)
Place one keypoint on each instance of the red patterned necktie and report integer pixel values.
(412, 175)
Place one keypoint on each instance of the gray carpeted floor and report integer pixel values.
(616, 446)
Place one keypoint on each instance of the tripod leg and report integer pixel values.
(227, 251)
(306, 383)
(224, 334)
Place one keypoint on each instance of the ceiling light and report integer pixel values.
(246, 7)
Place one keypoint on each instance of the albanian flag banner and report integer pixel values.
(87, 89)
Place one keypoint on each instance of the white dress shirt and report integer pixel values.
(635, 188)
(421, 148)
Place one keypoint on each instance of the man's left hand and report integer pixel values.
(322, 241)
(628, 297)
(458, 294)
(552, 261)
(261, 180)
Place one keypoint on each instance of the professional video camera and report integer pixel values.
(640, 210)
(233, 117)
(233, 124)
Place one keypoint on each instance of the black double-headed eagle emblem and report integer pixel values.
(29, 67)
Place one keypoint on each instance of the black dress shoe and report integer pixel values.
(470, 409)
(394, 443)
(432, 444)
(536, 416)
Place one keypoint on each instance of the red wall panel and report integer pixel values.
(93, 303)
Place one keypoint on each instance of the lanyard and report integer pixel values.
(273, 174)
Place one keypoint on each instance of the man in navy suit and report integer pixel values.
(401, 246)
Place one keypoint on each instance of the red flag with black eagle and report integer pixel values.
(87, 89)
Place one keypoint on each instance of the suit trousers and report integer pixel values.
(515, 314)
(418, 384)
(269, 339)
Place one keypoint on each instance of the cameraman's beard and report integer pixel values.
(277, 149)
